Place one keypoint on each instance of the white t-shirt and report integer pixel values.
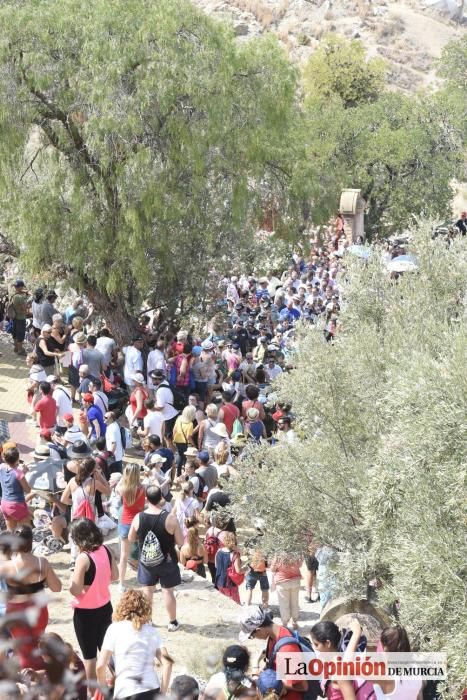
(105, 347)
(153, 420)
(164, 400)
(133, 652)
(133, 363)
(74, 434)
(273, 372)
(216, 684)
(156, 360)
(403, 690)
(101, 400)
(64, 404)
(112, 435)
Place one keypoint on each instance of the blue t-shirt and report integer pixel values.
(95, 413)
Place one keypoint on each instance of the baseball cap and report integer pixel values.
(51, 378)
(89, 398)
(250, 619)
(68, 416)
(203, 456)
(19, 283)
(268, 680)
(207, 344)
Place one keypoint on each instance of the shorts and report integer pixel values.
(73, 376)
(90, 628)
(253, 577)
(19, 329)
(167, 574)
(15, 510)
(169, 426)
(123, 531)
(311, 563)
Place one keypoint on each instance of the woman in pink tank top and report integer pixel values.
(95, 568)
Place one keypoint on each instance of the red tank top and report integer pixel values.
(231, 412)
(133, 402)
(129, 512)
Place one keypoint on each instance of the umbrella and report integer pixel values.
(360, 251)
(403, 263)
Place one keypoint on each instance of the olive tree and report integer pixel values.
(378, 473)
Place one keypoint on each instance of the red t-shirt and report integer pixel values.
(230, 412)
(284, 632)
(46, 407)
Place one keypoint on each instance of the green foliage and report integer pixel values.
(453, 64)
(379, 474)
(339, 71)
(138, 141)
(401, 151)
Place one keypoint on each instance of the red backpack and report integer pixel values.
(85, 509)
(212, 543)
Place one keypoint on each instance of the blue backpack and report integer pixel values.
(304, 644)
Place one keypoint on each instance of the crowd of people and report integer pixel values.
(143, 442)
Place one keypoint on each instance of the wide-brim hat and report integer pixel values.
(157, 459)
(138, 377)
(191, 452)
(79, 450)
(80, 338)
(252, 413)
(221, 430)
(41, 452)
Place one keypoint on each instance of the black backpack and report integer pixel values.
(179, 401)
(201, 492)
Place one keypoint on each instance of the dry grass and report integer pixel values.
(395, 26)
(262, 13)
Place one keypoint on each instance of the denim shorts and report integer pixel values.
(123, 531)
(252, 579)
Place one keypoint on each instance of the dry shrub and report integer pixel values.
(262, 13)
(393, 27)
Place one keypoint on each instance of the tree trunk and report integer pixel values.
(120, 322)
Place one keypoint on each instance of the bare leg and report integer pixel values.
(264, 598)
(11, 524)
(249, 595)
(90, 668)
(170, 603)
(149, 592)
(124, 552)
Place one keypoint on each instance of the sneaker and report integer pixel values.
(72, 566)
(267, 611)
(308, 599)
(314, 596)
(121, 588)
(173, 626)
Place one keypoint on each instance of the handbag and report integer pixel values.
(233, 575)
(85, 509)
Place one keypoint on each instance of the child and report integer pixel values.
(257, 566)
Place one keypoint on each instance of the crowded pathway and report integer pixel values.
(138, 446)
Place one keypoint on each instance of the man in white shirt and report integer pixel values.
(107, 346)
(100, 399)
(272, 370)
(73, 432)
(113, 440)
(153, 421)
(156, 360)
(133, 361)
(62, 399)
(164, 400)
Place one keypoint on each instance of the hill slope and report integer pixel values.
(407, 34)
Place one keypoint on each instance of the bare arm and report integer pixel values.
(51, 578)
(102, 484)
(25, 485)
(77, 581)
(175, 529)
(166, 662)
(66, 495)
(133, 534)
(102, 663)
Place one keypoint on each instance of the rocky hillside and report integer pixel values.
(407, 34)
